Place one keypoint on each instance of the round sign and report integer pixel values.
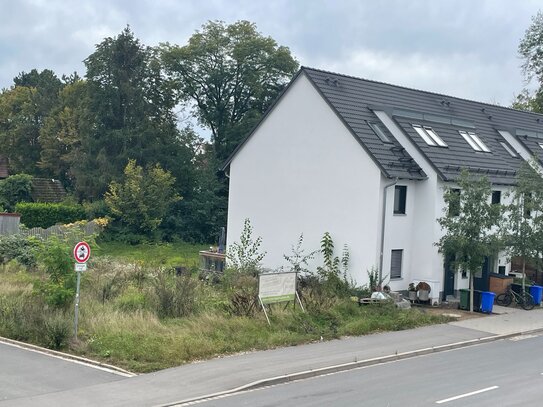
(82, 252)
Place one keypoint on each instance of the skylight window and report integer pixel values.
(379, 132)
(509, 149)
(474, 141)
(541, 145)
(429, 136)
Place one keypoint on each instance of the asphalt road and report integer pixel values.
(502, 373)
(25, 373)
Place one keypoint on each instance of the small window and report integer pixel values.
(509, 149)
(429, 135)
(541, 145)
(496, 197)
(396, 264)
(454, 203)
(474, 141)
(400, 195)
(379, 132)
(528, 205)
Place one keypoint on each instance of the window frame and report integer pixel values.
(499, 195)
(376, 128)
(400, 198)
(429, 135)
(509, 149)
(474, 141)
(400, 269)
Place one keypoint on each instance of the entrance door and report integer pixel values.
(448, 278)
(481, 280)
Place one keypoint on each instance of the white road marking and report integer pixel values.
(460, 396)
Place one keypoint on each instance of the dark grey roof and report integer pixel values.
(354, 100)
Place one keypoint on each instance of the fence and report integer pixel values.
(9, 223)
(61, 231)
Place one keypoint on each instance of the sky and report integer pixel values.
(463, 48)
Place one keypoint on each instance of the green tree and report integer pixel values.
(23, 109)
(531, 51)
(470, 235)
(142, 200)
(15, 188)
(130, 107)
(62, 131)
(523, 226)
(232, 74)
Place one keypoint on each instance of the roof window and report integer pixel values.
(379, 132)
(541, 145)
(509, 149)
(474, 141)
(429, 135)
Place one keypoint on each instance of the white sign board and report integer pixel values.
(80, 266)
(277, 287)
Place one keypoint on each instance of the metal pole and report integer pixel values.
(383, 220)
(76, 317)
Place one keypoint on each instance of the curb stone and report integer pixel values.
(67, 356)
(352, 365)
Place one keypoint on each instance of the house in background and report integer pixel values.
(367, 162)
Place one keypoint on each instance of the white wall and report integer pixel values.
(303, 172)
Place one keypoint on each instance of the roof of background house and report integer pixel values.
(3, 167)
(355, 99)
(47, 190)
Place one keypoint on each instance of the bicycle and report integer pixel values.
(524, 299)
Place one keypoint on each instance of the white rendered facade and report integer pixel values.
(302, 171)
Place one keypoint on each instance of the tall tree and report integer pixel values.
(130, 106)
(531, 51)
(231, 73)
(62, 131)
(23, 109)
(470, 234)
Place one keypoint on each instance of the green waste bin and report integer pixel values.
(464, 299)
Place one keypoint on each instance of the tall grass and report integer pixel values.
(127, 318)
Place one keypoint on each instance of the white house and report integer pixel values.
(367, 162)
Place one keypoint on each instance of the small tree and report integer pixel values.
(523, 226)
(142, 200)
(14, 189)
(245, 257)
(470, 236)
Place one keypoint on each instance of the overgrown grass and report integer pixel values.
(120, 324)
(167, 254)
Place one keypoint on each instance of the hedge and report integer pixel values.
(44, 215)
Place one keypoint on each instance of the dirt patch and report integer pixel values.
(455, 314)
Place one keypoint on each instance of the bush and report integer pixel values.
(176, 296)
(59, 288)
(19, 248)
(44, 215)
(58, 329)
(14, 189)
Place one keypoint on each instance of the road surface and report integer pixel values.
(502, 373)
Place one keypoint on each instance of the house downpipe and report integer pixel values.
(383, 219)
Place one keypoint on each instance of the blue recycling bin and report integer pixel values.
(536, 291)
(487, 301)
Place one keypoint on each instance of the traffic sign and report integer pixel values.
(82, 252)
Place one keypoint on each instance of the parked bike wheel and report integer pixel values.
(504, 299)
(527, 301)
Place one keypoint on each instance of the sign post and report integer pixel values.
(277, 287)
(81, 255)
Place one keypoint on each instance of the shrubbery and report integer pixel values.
(44, 215)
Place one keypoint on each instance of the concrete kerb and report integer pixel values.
(352, 365)
(78, 359)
